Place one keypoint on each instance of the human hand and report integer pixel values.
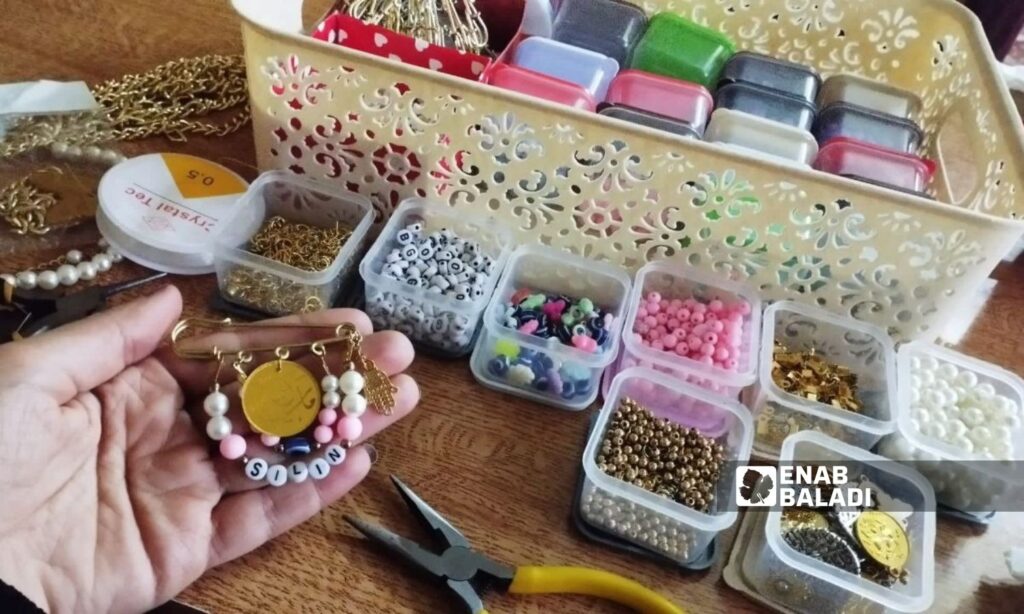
(113, 499)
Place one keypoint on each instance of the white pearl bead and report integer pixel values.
(927, 378)
(915, 396)
(335, 454)
(936, 430)
(73, 151)
(915, 425)
(216, 404)
(27, 280)
(92, 153)
(115, 256)
(298, 472)
(963, 443)
(109, 157)
(352, 382)
(929, 363)
(329, 383)
(1013, 421)
(956, 428)
(967, 379)
(915, 363)
(9, 279)
(73, 257)
(354, 405)
(1002, 434)
(331, 400)
(256, 469)
(218, 428)
(985, 391)
(103, 243)
(972, 416)
(102, 262)
(67, 274)
(915, 382)
(87, 271)
(120, 158)
(59, 149)
(48, 280)
(277, 475)
(947, 371)
(319, 469)
(922, 416)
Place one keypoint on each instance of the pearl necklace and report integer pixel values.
(66, 270)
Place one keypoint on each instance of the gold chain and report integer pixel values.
(163, 101)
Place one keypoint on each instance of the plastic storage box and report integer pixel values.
(762, 137)
(556, 272)
(765, 71)
(542, 168)
(276, 288)
(441, 324)
(673, 280)
(800, 583)
(613, 505)
(845, 120)
(677, 47)
(672, 98)
(590, 70)
(969, 482)
(866, 350)
(608, 27)
(539, 85)
(851, 158)
(879, 97)
(651, 120)
(766, 103)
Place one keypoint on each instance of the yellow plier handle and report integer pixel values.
(583, 581)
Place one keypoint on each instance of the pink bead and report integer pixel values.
(658, 345)
(323, 434)
(689, 304)
(663, 303)
(700, 329)
(742, 308)
(270, 440)
(661, 331)
(707, 360)
(710, 316)
(711, 338)
(232, 447)
(672, 310)
(654, 297)
(676, 303)
(637, 338)
(662, 318)
(350, 428)
(699, 308)
(707, 349)
(716, 305)
(670, 341)
(529, 327)
(717, 326)
(731, 364)
(684, 314)
(694, 342)
(327, 417)
(642, 328)
(672, 324)
(651, 321)
(684, 330)
(697, 318)
(653, 308)
(682, 349)
(641, 313)
(722, 354)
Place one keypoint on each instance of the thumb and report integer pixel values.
(82, 355)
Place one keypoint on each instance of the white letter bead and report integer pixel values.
(216, 404)
(351, 382)
(277, 475)
(354, 405)
(256, 469)
(329, 383)
(218, 428)
(335, 455)
(319, 469)
(298, 472)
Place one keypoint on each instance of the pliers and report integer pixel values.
(468, 573)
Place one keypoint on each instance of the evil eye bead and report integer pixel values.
(580, 330)
(498, 366)
(297, 446)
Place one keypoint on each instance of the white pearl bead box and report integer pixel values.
(431, 273)
(867, 350)
(280, 193)
(961, 423)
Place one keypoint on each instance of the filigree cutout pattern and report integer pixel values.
(580, 183)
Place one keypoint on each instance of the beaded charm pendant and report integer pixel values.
(306, 426)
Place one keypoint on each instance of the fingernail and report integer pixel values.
(371, 450)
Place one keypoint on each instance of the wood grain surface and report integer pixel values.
(503, 469)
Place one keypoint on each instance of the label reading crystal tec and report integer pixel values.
(170, 199)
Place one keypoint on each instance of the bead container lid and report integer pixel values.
(849, 157)
(538, 85)
(165, 211)
(785, 77)
(590, 70)
(879, 97)
(677, 47)
(651, 120)
(672, 98)
(608, 27)
(766, 103)
(846, 120)
(762, 137)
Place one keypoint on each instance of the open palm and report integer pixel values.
(110, 498)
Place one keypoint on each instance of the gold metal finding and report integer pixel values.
(302, 246)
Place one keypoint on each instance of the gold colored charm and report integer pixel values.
(281, 398)
(883, 539)
(802, 518)
(378, 390)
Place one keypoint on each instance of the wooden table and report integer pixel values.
(503, 469)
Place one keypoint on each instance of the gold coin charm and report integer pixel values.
(281, 398)
(883, 539)
(801, 518)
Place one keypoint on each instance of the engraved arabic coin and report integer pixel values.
(281, 398)
(883, 539)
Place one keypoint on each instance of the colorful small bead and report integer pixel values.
(709, 332)
(349, 428)
(232, 447)
(547, 316)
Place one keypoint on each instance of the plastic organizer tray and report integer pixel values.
(627, 194)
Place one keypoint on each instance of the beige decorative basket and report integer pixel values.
(626, 194)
